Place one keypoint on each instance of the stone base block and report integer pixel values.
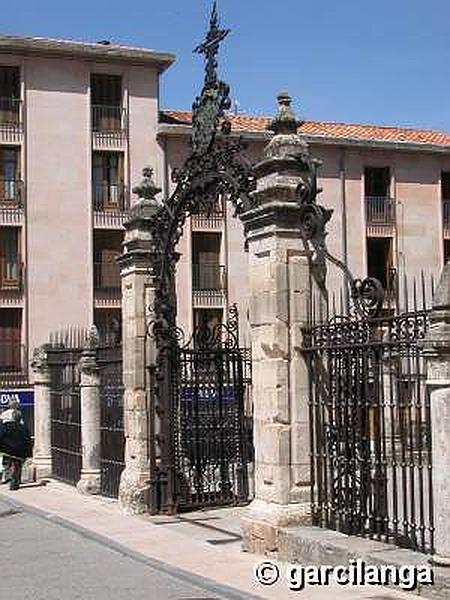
(134, 492)
(90, 482)
(263, 521)
(42, 467)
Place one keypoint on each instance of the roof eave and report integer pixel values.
(183, 130)
(85, 51)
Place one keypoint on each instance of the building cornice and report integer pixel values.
(168, 130)
(99, 52)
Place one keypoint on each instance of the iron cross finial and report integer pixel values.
(210, 46)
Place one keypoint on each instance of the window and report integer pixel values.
(9, 257)
(379, 260)
(10, 346)
(107, 177)
(445, 186)
(207, 272)
(9, 95)
(9, 174)
(106, 101)
(446, 251)
(107, 248)
(377, 182)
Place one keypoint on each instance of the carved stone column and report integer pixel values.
(42, 451)
(437, 351)
(90, 479)
(138, 284)
(279, 262)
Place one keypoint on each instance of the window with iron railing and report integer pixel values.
(11, 273)
(10, 103)
(11, 186)
(106, 276)
(208, 276)
(380, 210)
(446, 213)
(108, 114)
(108, 189)
(11, 349)
(10, 263)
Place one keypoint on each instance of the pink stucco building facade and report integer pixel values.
(78, 122)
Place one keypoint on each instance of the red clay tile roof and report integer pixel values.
(374, 133)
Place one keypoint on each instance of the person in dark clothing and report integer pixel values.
(16, 445)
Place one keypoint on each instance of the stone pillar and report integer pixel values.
(138, 284)
(42, 451)
(90, 479)
(437, 352)
(279, 301)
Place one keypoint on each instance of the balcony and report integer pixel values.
(11, 121)
(111, 203)
(380, 216)
(11, 281)
(107, 284)
(12, 199)
(13, 363)
(209, 285)
(109, 126)
(446, 218)
(214, 221)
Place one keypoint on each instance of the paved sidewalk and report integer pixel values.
(205, 543)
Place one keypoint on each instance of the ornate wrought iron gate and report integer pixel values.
(208, 420)
(370, 425)
(65, 413)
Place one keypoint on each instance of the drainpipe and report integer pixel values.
(344, 222)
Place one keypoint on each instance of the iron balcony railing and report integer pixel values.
(380, 210)
(107, 279)
(12, 361)
(446, 214)
(10, 112)
(108, 119)
(11, 193)
(11, 274)
(208, 277)
(110, 197)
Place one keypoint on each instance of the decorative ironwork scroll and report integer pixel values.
(214, 171)
(368, 294)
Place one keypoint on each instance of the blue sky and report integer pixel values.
(360, 61)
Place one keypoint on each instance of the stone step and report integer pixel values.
(316, 546)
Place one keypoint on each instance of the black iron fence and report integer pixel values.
(65, 412)
(370, 434)
(112, 461)
(64, 354)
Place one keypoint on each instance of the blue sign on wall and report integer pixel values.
(24, 396)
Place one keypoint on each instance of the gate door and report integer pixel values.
(65, 414)
(112, 450)
(209, 428)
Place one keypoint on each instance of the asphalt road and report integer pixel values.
(44, 560)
